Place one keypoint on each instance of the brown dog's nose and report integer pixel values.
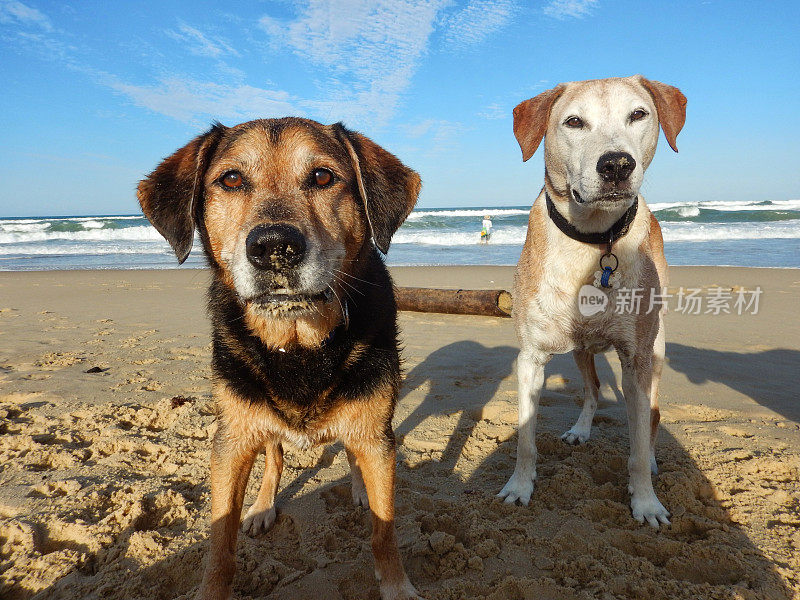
(615, 166)
(275, 247)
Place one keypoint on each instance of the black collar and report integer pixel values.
(607, 237)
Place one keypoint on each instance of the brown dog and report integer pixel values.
(304, 318)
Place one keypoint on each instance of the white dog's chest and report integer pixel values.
(561, 318)
(595, 342)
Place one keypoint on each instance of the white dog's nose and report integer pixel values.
(616, 166)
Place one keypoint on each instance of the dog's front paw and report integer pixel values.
(258, 520)
(402, 590)
(647, 507)
(576, 436)
(519, 487)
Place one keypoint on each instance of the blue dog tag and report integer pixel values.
(607, 271)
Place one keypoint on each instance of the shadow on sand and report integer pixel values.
(746, 372)
(575, 540)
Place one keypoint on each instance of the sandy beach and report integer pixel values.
(106, 422)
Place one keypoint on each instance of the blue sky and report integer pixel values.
(96, 93)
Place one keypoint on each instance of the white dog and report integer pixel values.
(593, 249)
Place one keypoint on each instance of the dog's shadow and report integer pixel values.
(576, 537)
(462, 377)
(585, 485)
(745, 372)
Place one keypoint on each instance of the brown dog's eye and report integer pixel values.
(322, 177)
(574, 122)
(232, 180)
(638, 114)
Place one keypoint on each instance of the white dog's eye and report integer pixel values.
(638, 114)
(574, 122)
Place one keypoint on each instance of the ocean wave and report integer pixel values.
(137, 233)
(93, 224)
(145, 239)
(673, 232)
(705, 215)
(23, 226)
(698, 232)
(765, 205)
(82, 249)
(4, 221)
(68, 224)
(681, 222)
(474, 213)
(688, 211)
(21, 221)
(506, 235)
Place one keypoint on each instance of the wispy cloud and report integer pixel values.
(494, 112)
(201, 44)
(477, 21)
(566, 9)
(17, 13)
(364, 54)
(435, 135)
(371, 50)
(192, 101)
(437, 128)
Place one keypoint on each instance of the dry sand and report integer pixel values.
(104, 476)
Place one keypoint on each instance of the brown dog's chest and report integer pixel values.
(304, 420)
(300, 394)
(302, 427)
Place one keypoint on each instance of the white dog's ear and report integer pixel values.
(671, 107)
(530, 120)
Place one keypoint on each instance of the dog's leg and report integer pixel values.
(230, 468)
(359, 490)
(636, 382)
(376, 458)
(580, 432)
(530, 375)
(261, 515)
(659, 350)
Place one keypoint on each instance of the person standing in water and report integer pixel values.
(486, 229)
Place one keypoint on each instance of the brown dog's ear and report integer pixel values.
(170, 195)
(530, 120)
(671, 108)
(387, 187)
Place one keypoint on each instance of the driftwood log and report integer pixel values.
(490, 303)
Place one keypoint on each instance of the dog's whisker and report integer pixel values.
(333, 276)
(341, 307)
(339, 260)
(372, 283)
(356, 278)
(348, 284)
